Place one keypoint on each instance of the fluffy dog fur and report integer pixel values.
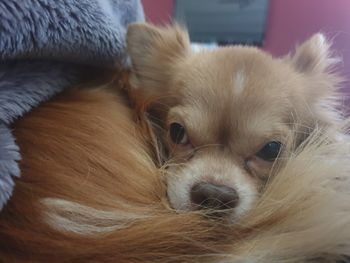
(91, 192)
(231, 103)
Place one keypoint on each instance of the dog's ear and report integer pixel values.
(155, 52)
(314, 56)
(315, 61)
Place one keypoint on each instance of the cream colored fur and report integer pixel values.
(101, 197)
(231, 102)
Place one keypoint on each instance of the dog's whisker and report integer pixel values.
(207, 146)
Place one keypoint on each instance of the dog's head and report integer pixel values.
(226, 115)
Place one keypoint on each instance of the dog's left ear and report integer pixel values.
(155, 52)
(314, 56)
(316, 63)
(314, 59)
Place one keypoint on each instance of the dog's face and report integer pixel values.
(226, 115)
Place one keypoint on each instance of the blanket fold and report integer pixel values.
(45, 46)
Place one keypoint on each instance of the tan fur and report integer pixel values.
(90, 190)
(110, 197)
(231, 102)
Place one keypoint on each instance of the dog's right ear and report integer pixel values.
(155, 52)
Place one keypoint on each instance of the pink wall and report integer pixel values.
(289, 22)
(292, 21)
(158, 11)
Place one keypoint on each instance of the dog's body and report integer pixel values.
(91, 191)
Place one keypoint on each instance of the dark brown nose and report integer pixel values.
(211, 196)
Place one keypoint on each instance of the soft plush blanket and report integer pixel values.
(44, 47)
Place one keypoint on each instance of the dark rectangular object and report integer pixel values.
(223, 21)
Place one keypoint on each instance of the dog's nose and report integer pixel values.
(219, 197)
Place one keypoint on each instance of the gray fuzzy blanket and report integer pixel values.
(44, 47)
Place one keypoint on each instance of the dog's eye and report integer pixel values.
(270, 151)
(178, 134)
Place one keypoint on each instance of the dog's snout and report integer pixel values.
(211, 196)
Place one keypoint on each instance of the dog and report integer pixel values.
(92, 190)
(225, 116)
